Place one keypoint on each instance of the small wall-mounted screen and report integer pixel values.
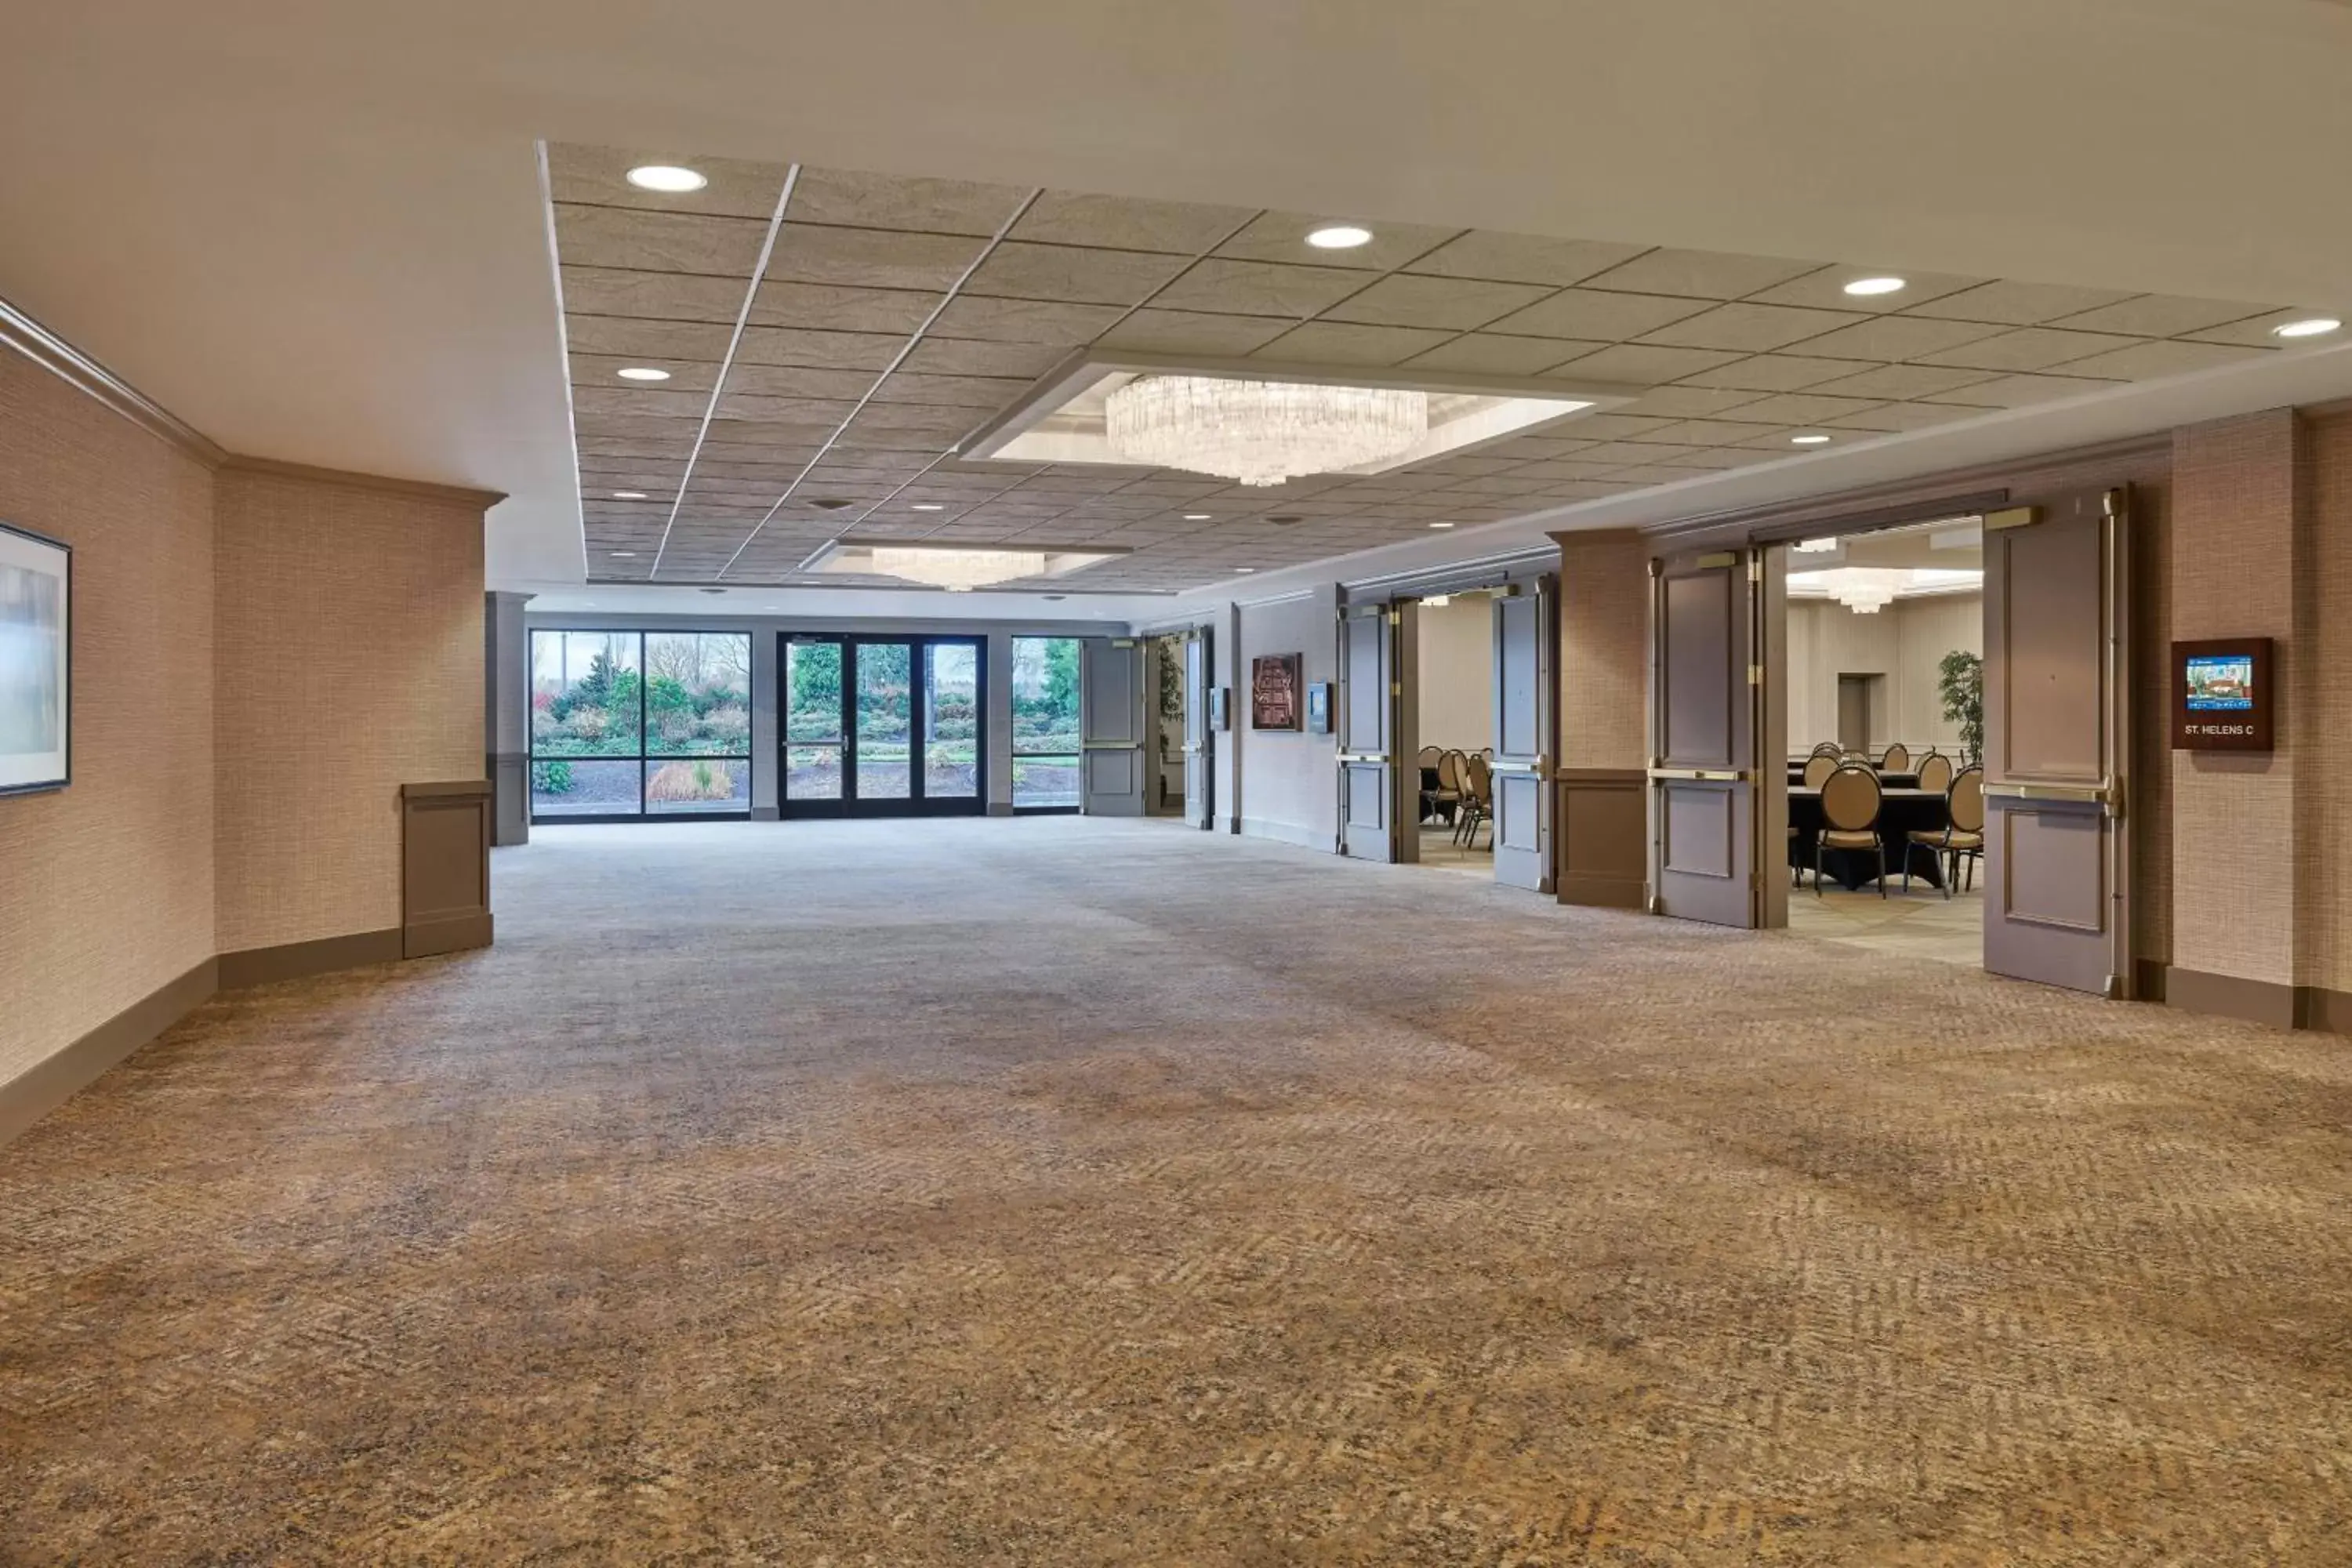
(2220, 683)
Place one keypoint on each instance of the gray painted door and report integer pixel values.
(2057, 715)
(1702, 738)
(1369, 639)
(1200, 806)
(1525, 701)
(1112, 726)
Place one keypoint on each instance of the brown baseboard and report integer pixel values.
(296, 959)
(49, 1083)
(454, 934)
(2320, 1008)
(2230, 996)
(2147, 979)
(1602, 892)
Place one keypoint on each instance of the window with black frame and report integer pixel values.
(628, 725)
(1047, 748)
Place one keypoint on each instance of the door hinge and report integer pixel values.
(1754, 674)
(1657, 567)
(1396, 688)
(2112, 988)
(1657, 905)
(2112, 503)
(1755, 566)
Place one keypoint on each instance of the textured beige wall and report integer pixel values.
(348, 659)
(2234, 815)
(1456, 675)
(105, 888)
(1289, 780)
(2151, 706)
(1904, 642)
(1604, 653)
(2324, 713)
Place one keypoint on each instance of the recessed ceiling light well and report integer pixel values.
(628, 495)
(1809, 440)
(1245, 569)
(832, 503)
(624, 555)
(2309, 327)
(641, 372)
(1865, 287)
(1196, 517)
(927, 506)
(1440, 525)
(667, 178)
(711, 590)
(1338, 237)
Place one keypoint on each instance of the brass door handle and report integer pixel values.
(2106, 793)
(1702, 775)
(1345, 757)
(1540, 767)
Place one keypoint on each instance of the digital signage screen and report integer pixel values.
(2221, 697)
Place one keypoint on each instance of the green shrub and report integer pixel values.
(550, 778)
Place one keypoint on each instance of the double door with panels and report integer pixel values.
(882, 726)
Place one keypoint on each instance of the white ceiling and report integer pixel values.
(316, 233)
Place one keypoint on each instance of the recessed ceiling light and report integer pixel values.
(711, 590)
(928, 506)
(1868, 286)
(641, 372)
(1809, 440)
(1196, 517)
(666, 177)
(624, 555)
(2309, 327)
(1058, 598)
(832, 503)
(1338, 237)
(1245, 569)
(1440, 525)
(628, 495)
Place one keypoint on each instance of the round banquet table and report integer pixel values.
(1899, 779)
(1901, 812)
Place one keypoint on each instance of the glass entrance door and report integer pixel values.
(882, 726)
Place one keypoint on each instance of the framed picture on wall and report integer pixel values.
(1318, 708)
(35, 662)
(1274, 691)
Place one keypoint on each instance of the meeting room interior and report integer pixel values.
(1884, 725)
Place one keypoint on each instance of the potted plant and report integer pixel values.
(1959, 681)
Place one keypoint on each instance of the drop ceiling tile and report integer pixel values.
(1889, 339)
(645, 342)
(1754, 329)
(834, 308)
(1535, 448)
(1340, 343)
(598, 176)
(1595, 317)
(853, 200)
(1701, 274)
(1774, 372)
(604, 371)
(1803, 408)
(1458, 304)
(2146, 361)
(1282, 236)
(1578, 490)
(2255, 333)
(1491, 353)
(1063, 274)
(1567, 468)
(798, 381)
(2162, 316)
(660, 242)
(1154, 331)
(1063, 217)
(2028, 348)
(1617, 453)
(870, 258)
(1660, 474)
(1257, 288)
(660, 296)
(1826, 288)
(1523, 259)
(1709, 431)
(1611, 426)
(626, 401)
(986, 393)
(2018, 304)
(2018, 390)
(962, 356)
(804, 413)
(816, 350)
(1639, 364)
(1901, 381)
(671, 447)
(1892, 416)
(1689, 400)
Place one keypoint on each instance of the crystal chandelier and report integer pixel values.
(1865, 590)
(957, 570)
(1260, 432)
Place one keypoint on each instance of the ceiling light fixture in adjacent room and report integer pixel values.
(1814, 546)
(1339, 237)
(2309, 327)
(641, 372)
(957, 570)
(1865, 590)
(1260, 432)
(667, 178)
(1865, 287)
(1437, 601)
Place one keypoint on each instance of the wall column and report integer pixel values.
(1599, 820)
(506, 714)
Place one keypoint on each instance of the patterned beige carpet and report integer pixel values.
(1065, 1193)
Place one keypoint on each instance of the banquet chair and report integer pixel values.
(1962, 834)
(1819, 769)
(1477, 801)
(1896, 759)
(1446, 798)
(1850, 801)
(1935, 770)
(1827, 749)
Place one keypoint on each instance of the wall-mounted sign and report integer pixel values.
(1220, 709)
(1318, 708)
(2222, 696)
(1274, 691)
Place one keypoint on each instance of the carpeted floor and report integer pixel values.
(1058, 1192)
